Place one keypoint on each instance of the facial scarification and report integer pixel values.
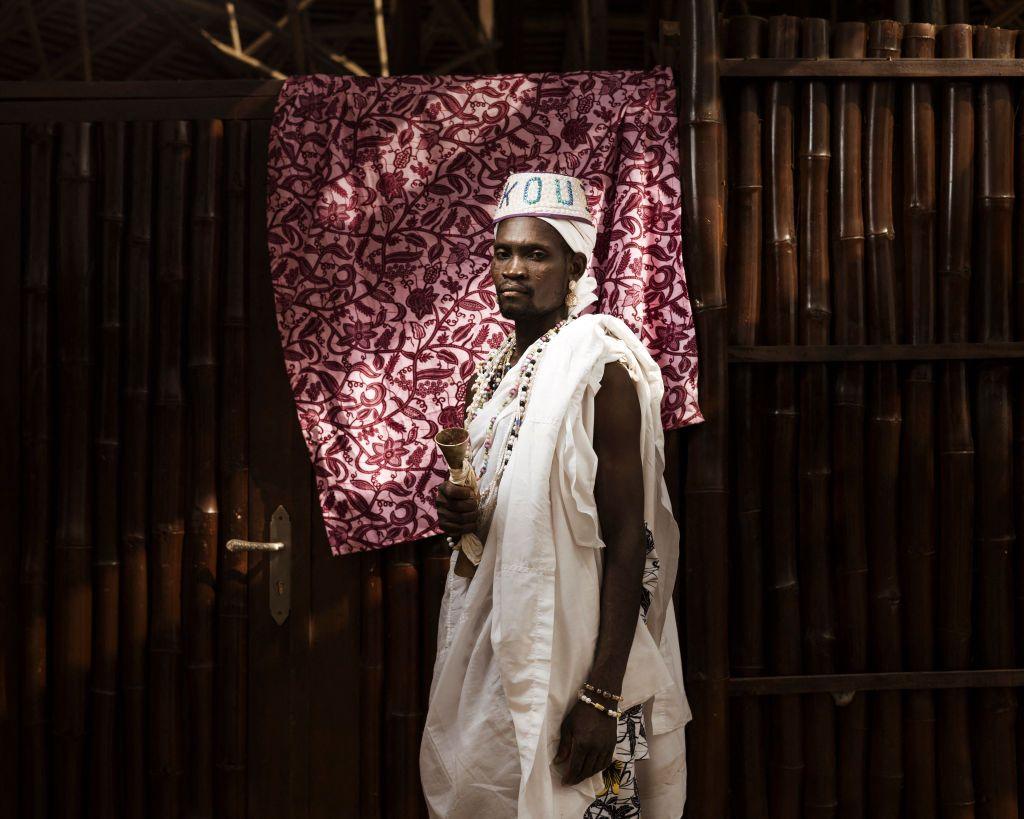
(531, 268)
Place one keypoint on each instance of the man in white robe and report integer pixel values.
(558, 687)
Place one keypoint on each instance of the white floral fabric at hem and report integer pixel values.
(621, 796)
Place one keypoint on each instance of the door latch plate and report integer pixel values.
(281, 566)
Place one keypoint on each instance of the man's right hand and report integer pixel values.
(458, 510)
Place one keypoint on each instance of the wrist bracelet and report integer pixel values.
(608, 695)
(584, 698)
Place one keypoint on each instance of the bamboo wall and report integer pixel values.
(148, 420)
(874, 283)
(851, 590)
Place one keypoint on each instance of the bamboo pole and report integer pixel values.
(73, 543)
(372, 675)
(956, 11)
(1019, 288)
(723, 185)
(931, 11)
(707, 535)
(201, 533)
(743, 280)
(165, 720)
(780, 327)
(382, 40)
(231, 686)
(299, 54)
(850, 40)
(403, 714)
(955, 441)
(918, 491)
(813, 456)
(995, 760)
(13, 225)
(32, 24)
(134, 603)
(743, 286)
(885, 765)
(82, 19)
(37, 374)
(335, 691)
(1018, 466)
(105, 790)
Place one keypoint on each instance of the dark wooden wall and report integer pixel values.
(854, 586)
(148, 420)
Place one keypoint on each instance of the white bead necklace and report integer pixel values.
(489, 376)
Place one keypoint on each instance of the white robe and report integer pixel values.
(516, 643)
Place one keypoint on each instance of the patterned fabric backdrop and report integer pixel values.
(379, 209)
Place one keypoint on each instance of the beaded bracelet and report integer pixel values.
(608, 695)
(584, 698)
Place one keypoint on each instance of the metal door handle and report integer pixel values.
(279, 549)
(236, 545)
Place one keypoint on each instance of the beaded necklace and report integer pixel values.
(489, 377)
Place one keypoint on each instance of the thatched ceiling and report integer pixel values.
(196, 39)
(184, 39)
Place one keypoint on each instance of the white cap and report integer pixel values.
(543, 194)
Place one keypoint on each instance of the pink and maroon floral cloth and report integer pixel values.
(380, 196)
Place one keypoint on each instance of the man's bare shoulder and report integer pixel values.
(616, 378)
(616, 405)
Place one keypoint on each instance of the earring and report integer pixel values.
(570, 299)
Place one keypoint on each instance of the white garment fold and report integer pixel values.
(516, 643)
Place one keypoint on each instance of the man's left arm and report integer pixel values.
(588, 736)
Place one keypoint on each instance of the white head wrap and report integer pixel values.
(581, 238)
(561, 201)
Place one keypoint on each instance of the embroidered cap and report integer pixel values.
(543, 194)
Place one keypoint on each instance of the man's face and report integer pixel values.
(531, 268)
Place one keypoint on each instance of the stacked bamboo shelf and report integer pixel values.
(873, 182)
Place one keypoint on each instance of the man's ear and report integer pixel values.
(577, 265)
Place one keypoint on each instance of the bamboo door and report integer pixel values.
(337, 690)
(304, 693)
(148, 670)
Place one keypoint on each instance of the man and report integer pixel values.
(557, 688)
